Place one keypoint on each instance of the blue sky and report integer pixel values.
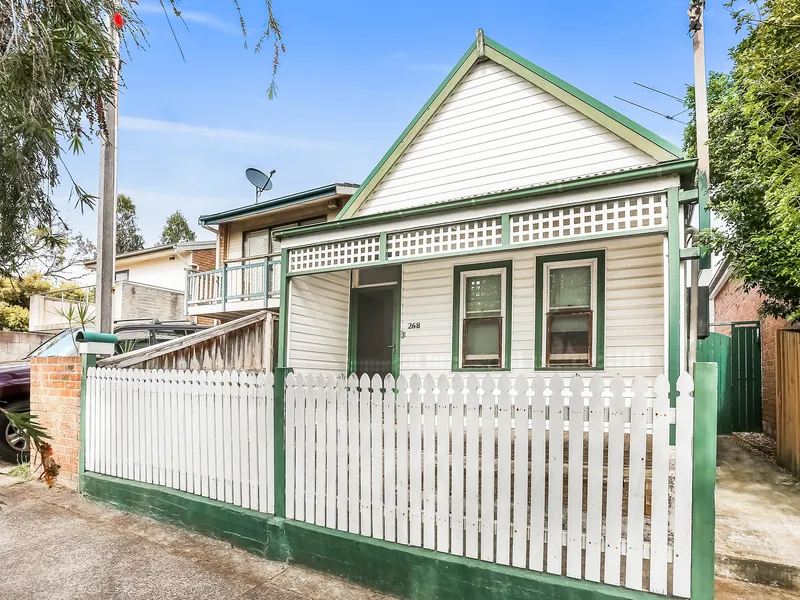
(353, 76)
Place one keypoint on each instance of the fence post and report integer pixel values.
(267, 281)
(279, 485)
(224, 284)
(87, 361)
(704, 473)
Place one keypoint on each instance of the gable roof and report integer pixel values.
(485, 48)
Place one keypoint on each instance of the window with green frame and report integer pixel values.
(482, 316)
(570, 311)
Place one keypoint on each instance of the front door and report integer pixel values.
(373, 334)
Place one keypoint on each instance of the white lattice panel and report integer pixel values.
(335, 254)
(486, 233)
(590, 219)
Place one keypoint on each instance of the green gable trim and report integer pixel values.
(588, 100)
(661, 170)
(508, 266)
(391, 568)
(417, 123)
(639, 136)
(600, 356)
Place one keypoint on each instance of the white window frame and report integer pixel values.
(554, 266)
(462, 313)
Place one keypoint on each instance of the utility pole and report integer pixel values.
(696, 27)
(106, 206)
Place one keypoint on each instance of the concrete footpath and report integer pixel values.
(55, 545)
(758, 518)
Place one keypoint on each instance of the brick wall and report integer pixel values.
(56, 402)
(206, 260)
(733, 304)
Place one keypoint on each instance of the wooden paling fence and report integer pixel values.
(788, 405)
(206, 433)
(577, 479)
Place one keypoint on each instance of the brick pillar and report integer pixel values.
(56, 403)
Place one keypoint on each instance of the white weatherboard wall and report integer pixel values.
(634, 336)
(319, 308)
(494, 132)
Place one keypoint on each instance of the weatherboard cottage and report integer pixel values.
(517, 224)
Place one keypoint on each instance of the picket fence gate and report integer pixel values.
(205, 433)
(403, 461)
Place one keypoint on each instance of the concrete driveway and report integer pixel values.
(55, 545)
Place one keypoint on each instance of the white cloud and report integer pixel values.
(233, 136)
(190, 16)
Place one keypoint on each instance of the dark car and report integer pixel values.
(15, 377)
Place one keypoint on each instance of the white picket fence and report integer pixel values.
(205, 433)
(426, 464)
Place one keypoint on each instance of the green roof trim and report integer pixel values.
(262, 207)
(680, 167)
(637, 135)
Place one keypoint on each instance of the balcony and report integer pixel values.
(240, 287)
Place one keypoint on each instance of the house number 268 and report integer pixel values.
(414, 325)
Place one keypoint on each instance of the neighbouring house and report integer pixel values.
(749, 341)
(517, 224)
(246, 275)
(163, 266)
(148, 284)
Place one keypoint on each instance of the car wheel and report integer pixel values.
(13, 445)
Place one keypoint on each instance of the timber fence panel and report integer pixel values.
(528, 472)
(202, 433)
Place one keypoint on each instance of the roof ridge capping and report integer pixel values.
(485, 48)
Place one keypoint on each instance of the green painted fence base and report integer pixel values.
(384, 566)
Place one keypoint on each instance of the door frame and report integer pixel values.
(352, 329)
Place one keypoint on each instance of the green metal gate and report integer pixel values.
(739, 372)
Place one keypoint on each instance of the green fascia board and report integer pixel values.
(508, 266)
(586, 98)
(660, 170)
(444, 88)
(392, 568)
(263, 207)
(600, 356)
(470, 57)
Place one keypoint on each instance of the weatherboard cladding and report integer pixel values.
(319, 308)
(634, 338)
(498, 131)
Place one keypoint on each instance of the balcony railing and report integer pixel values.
(248, 280)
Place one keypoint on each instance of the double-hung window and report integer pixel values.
(570, 303)
(483, 316)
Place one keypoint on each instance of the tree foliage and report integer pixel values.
(754, 146)
(54, 82)
(129, 238)
(176, 230)
(56, 76)
(16, 292)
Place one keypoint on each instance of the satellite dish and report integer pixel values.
(260, 180)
